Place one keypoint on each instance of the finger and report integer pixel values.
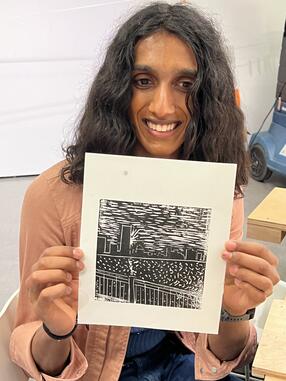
(252, 248)
(54, 295)
(40, 280)
(64, 251)
(258, 281)
(256, 264)
(254, 294)
(42, 277)
(64, 263)
(73, 297)
(51, 293)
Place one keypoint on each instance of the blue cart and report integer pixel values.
(268, 148)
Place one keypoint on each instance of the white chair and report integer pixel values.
(8, 370)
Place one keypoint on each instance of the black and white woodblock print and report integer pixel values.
(151, 254)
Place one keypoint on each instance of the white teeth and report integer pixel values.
(161, 127)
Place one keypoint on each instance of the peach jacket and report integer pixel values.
(50, 217)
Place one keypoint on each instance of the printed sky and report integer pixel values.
(158, 226)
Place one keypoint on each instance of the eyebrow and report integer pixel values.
(182, 72)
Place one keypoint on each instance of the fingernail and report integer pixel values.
(226, 255)
(69, 277)
(77, 253)
(231, 245)
(237, 282)
(68, 290)
(233, 269)
(80, 265)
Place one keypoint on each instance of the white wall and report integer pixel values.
(253, 30)
(49, 53)
(51, 49)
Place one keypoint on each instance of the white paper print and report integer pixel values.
(152, 234)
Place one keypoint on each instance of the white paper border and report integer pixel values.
(158, 181)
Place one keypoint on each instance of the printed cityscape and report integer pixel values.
(123, 248)
(151, 254)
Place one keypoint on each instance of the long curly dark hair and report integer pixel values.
(217, 129)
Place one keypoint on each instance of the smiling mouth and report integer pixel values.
(161, 127)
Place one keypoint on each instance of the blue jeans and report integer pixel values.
(169, 361)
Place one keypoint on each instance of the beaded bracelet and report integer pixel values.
(57, 337)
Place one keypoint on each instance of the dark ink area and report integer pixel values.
(151, 253)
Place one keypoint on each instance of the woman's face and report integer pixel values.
(164, 70)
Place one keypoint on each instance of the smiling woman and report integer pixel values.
(165, 90)
(159, 108)
(175, 54)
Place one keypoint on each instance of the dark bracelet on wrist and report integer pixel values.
(57, 337)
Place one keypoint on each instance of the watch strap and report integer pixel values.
(226, 316)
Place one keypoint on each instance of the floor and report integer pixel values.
(11, 194)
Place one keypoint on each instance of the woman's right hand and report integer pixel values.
(53, 287)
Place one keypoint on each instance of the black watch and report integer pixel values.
(225, 316)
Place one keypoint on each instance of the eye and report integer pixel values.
(142, 83)
(185, 84)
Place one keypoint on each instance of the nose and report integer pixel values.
(162, 104)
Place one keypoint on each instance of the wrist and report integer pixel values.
(50, 356)
(234, 311)
(59, 337)
(236, 316)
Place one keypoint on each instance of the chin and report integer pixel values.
(164, 154)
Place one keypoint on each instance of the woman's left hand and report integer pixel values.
(251, 274)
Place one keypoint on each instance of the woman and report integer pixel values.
(164, 90)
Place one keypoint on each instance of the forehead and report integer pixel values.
(165, 51)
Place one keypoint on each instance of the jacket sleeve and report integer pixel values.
(207, 365)
(41, 227)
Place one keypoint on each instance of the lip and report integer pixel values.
(161, 122)
(161, 134)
